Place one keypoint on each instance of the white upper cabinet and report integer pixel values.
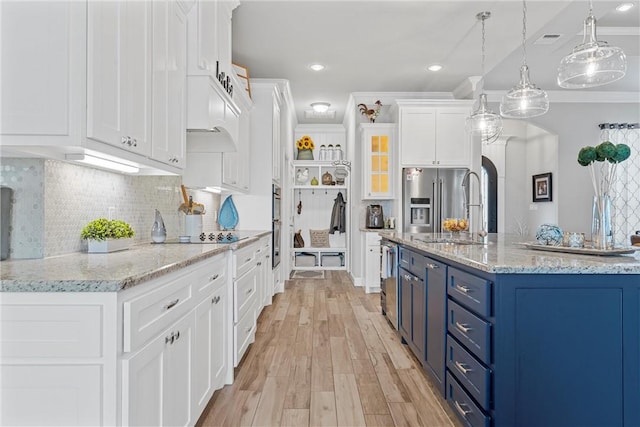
(378, 147)
(169, 86)
(119, 74)
(434, 135)
(95, 77)
(43, 61)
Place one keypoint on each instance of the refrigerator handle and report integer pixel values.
(440, 207)
(434, 215)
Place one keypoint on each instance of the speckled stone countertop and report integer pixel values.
(112, 272)
(502, 255)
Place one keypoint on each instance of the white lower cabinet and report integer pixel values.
(157, 379)
(372, 262)
(149, 355)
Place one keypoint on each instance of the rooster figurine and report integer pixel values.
(371, 113)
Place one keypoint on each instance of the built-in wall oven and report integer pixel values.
(389, 281)
(276, 226)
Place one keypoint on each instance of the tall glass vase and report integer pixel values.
(601, 231)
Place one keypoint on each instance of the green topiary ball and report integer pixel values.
(587, 155)
(605, 151)
(623, 151)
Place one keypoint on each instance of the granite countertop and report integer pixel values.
(112, 272)
(503, 255)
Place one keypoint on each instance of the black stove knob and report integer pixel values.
(212, 237)
(203, 237)
(220, 237)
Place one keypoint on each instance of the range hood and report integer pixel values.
(212, 117)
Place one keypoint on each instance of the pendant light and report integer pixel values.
(592, 63)
(483, 121)
(524, 100)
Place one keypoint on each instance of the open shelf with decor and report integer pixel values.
(314, 207)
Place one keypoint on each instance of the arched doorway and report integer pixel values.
(490, 194)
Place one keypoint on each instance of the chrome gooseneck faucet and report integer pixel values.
(482, 232)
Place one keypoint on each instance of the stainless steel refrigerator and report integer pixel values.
(429, 195)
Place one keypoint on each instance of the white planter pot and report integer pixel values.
(109, 245)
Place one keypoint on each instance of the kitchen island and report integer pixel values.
(138, 337)
(520, 337)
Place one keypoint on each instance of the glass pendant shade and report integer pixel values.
(592, 63)
(525, 99)
(485, 122)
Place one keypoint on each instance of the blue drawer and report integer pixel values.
(463, 405)
(413, 262)
(473, 375)
(473, 332)
(471, 291)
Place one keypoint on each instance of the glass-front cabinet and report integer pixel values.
(378, 147)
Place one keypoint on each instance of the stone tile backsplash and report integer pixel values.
(54, 200)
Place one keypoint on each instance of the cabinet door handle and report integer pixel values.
(461, 409)
(464, 289)
(177, 335)
(433, 266)
(259, 264)
(463, 327)
(247, 260)
(168, 340)
(123, 139)
(249, 291)
(407, 277)
(135, 142)
(462, 367)
(172, 304)
(215, 300)
(268, 256)
(247, 330)
(214, 277)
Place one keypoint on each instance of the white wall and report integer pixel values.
(576, 125)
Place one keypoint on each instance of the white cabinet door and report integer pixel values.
(203, 38)
(418, 136)
(177, 374)
(156, 381)
(378, 141)
(169, 84)
(236, 169)
(371, 242)
(119, 74)
(143, 385)
(43, 61)
(453, 143)
(276, 162)
(210, 347)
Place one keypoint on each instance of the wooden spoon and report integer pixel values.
(184, 194)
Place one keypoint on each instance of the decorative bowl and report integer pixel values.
(549, 234)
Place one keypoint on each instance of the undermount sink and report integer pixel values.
(449, 241)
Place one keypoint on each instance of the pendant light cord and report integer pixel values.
(483, 19)
(524, 32)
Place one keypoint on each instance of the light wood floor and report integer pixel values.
(325, 356)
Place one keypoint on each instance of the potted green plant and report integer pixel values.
(104, 235)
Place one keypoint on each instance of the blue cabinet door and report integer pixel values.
(436, 322)
(418, 319)
(404, 318)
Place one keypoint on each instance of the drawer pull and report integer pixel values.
(462, 367)
(259, 264)
(464, 289)
(215, 300)
(177, 335)
(214, 277)
(463, 327)
(461, 409)
(433, 266)
(172, 304)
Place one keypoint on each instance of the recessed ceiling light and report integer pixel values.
(434, 67)
(317, 67)
(623, 7)
(320, 107)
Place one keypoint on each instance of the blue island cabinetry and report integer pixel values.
(527, 349)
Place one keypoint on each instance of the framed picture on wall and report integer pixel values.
(542, 187)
